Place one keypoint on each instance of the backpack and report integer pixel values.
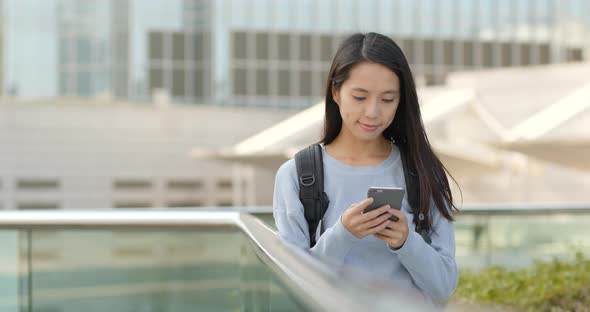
(310, 171)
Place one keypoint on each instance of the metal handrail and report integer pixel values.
(488, 209)
(525, 208)
(312, 283)
(117, 218)
(314, 287)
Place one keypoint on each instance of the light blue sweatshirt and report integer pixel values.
(430, 269)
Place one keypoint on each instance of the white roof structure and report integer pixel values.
(548, 112)
(275, 145)
(541, 111)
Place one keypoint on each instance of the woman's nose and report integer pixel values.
(372, 109)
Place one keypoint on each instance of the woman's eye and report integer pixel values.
(388, 100)
(358, 98)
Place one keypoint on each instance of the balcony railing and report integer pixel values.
(512, 235)
(162, 260)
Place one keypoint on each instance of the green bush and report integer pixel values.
(547, 286)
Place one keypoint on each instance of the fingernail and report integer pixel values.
(387, 207)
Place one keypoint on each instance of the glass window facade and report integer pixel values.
(177, 61)
(267, 53)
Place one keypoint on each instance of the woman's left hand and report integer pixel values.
(396, 233)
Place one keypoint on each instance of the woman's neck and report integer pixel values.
(358, 152)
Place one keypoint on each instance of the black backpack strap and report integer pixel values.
(310, 172)
(413, 191)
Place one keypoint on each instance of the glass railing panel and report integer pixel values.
(135, 270)
(138, 270)
(519, 240)
(13, 269)
(473, 242)
(261, 289)
(512, 240)
(160, 262)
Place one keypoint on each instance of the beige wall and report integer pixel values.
(71, 154)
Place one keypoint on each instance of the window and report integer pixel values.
(200, 45)
(284, 47)
(506, 54)
(428, 52)
(132, 184)
(468, 59)
(184, 185)
(323, 76)
(284, 82)
(326, 48)
(36, 185)
(199, 83)
(186, 203)
(240, 81)
(37, 205)
(178, 81)
(262, 82)
(83, 50)
(156, 45)
(240, 45)
(178, 41)
(262, 46)
(574, 54)
(305, 83)
(448, 52)
(224, 184)
(488, 52)
(132, 204)
(544, 57)
(156, 78)
(305, 47)
(409, 49)
(84, 83)
(224, 203)
(525, 54)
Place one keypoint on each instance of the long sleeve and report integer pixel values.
(432, 267)
(428, 269)
(333, 244)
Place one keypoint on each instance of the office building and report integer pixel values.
(93, 47)
(267, 53)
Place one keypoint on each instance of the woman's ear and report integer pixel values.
(335, 95)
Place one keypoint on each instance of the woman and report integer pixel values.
(371, 106)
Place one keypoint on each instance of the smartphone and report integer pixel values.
(382, 196)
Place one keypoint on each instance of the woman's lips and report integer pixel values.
(368, 127)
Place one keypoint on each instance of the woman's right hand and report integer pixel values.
(362, 224)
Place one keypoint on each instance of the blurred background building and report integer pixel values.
(66, 153)
(102, 100)
(272, 53)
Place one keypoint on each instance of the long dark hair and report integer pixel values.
(406, 128)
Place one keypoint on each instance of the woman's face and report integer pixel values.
(368, 100)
